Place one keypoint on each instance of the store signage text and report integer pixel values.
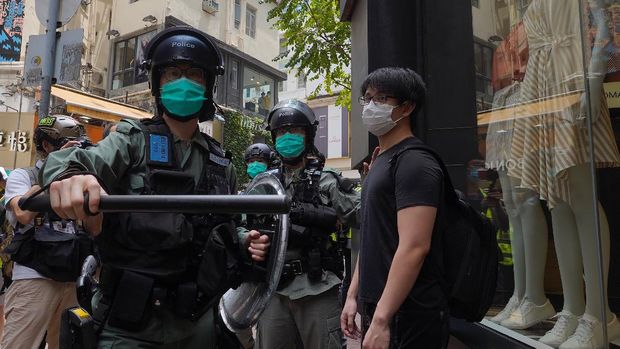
(15, 140)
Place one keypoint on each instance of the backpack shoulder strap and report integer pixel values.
(449, 191)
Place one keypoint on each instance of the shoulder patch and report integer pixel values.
(222, 161)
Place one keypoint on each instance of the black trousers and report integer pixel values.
(412, 329)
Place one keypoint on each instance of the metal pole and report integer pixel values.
(595, 208)
(19, 120)
(48, 58)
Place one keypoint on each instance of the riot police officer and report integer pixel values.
(161, 272)
(259, 157)
(305, 311)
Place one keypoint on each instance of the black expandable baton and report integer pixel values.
(221, 204)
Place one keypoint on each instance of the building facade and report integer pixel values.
(333, 134)
(111, 84)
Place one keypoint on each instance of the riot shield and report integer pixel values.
(241, 307)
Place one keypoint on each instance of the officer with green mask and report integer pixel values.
(306, 306)
(259, 157)
(162, 272)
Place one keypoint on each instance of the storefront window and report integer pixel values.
(128, 54)
(547, 83)
(257, 92)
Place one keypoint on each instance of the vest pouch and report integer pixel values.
(131, 307)
(219, 268)
(21, 247)
(166, 182)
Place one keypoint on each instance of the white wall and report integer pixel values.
(127, 18)
(483, 19)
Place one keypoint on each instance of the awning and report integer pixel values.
(82, 103)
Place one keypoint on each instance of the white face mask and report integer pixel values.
(378, 118)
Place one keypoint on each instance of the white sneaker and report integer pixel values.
(528, 314)
(589, 333)
(564, 327)
(613, 329)
(512, 304)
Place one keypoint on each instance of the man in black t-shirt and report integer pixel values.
(397, 282)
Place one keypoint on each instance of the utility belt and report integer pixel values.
(312, 264)
(129, 299)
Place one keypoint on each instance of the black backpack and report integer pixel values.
(470, 250)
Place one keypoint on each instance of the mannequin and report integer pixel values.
(528, 304)
(555, 149)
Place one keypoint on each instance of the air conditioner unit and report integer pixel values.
(97, 78)
(210, 6)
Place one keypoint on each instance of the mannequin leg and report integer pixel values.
(568, 251)
(535, 238)
(516, 240)
(581, 202)
(589, 332)
(535, 306)
(516, 243)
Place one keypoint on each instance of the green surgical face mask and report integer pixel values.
(256, 167)
(290, 145)
(183, 98)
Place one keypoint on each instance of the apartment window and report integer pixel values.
(281, 86)
(483, 60)
(475, 3)
(301, 80)
(283, 47)
(128, 54)
(234, 74)
(237, 13)
(250, 21)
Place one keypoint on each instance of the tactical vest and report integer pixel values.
(173, 248)
(312, 226)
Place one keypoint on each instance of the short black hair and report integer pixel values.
(403, 83)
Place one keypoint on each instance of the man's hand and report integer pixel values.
(258, 245)
(377, 336)
(24, 217)
(67, 196)
(347, 319)
(368, 166)
(70, 144)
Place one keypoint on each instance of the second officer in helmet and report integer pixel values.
(159, 273)
(259, 157)
(306, 306)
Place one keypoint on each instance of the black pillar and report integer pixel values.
(435, 38)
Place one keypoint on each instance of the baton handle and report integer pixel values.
(221, 204)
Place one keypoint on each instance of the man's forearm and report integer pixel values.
(23, 217)
(355, 282)
(404, 271)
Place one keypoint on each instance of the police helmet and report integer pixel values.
(292, 113)
(57, 130)
(184, 44)
(261, 151)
